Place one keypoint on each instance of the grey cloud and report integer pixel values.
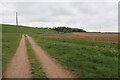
(73, 13)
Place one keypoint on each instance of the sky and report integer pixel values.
(90, 15)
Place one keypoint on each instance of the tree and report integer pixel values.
(67, 29)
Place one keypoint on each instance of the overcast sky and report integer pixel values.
(91, 15)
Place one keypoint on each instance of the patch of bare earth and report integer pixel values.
(50, 66)
(103, 37)
(19, 66)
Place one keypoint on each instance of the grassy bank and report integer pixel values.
(86, 59)
(35, 64)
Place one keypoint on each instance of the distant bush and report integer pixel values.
(67, 29)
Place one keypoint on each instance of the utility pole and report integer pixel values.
(16, 23)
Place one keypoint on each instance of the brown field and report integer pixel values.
(103, 37)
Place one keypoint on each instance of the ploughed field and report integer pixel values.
(102, 37)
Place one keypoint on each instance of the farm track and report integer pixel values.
(19, 66)
(49, 65)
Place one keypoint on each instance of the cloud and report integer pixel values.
(60, 0)
(88, 15)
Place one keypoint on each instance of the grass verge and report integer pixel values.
(10, 41)
(35, 64)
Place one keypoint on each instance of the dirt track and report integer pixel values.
(50, 66)
(104, 37)
(19, 66)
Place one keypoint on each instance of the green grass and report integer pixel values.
(26, 30)
(86, 59)
(35, 64)
(9, 44)
(10, 40)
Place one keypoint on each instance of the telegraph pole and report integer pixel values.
(16, 23)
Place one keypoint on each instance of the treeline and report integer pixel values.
(67, 29)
